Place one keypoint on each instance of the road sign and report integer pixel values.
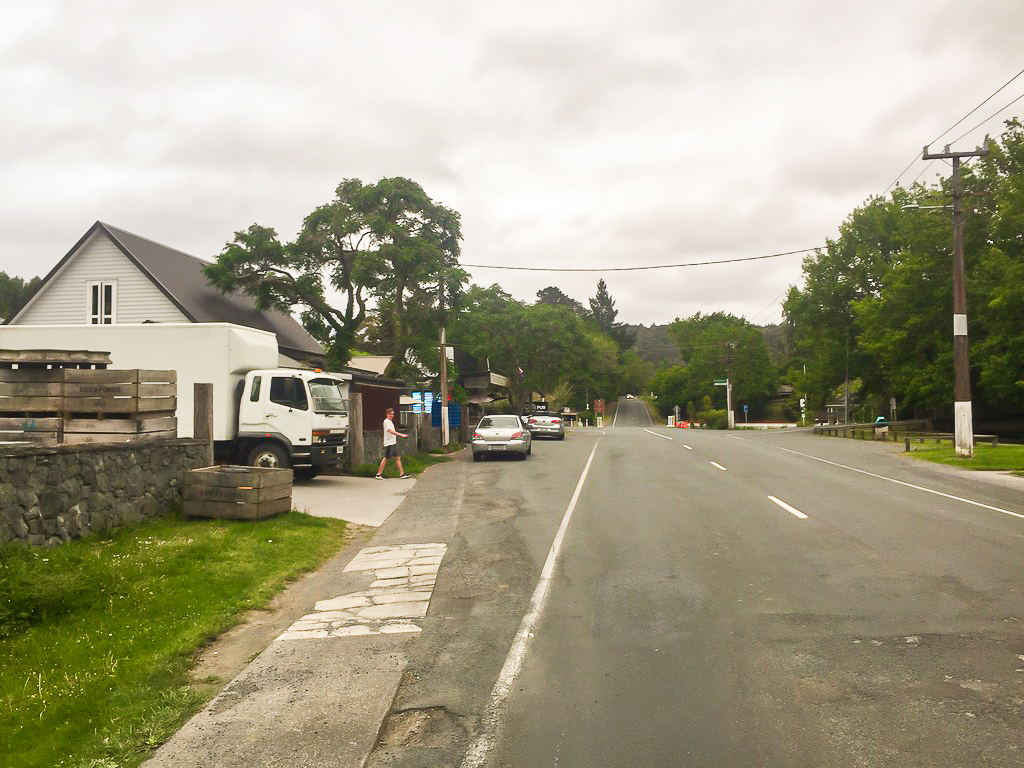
(599, 406)
(721, 382)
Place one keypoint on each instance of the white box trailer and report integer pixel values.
(255, 401)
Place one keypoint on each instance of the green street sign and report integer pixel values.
(721, 382)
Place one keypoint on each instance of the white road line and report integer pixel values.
(735, 437)
(906, 485)
(663, 437)
(791, 510)
(514, 661)
(687, 447)
(716, 464)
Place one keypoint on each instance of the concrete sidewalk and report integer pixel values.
(359, 500)
(316, 697)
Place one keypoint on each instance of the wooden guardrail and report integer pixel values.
(896, 431)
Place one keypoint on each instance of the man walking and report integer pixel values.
(391, 446)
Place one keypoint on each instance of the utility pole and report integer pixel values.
(963, 416)
(445, 437)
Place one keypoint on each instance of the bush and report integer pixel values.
(714, 419)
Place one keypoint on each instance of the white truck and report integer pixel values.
(263, 415)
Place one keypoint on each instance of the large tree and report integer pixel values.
(603, 312)
(719, 346)
(14, 292)
(387, 242)
(539, 346)
(553, 295)
(879, 299)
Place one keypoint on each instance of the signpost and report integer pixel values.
(728, 400)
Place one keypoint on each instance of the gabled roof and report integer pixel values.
(180, 277)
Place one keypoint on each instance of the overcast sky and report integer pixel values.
(574, 134)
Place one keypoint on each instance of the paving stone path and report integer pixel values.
(404, 578)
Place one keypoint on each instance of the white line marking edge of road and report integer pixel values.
(905, 484)
(716, 464)
(485, 742)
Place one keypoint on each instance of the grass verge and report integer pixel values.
(413, 463)
(98, 635)
(1001, 458)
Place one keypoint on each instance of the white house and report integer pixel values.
(113, 276)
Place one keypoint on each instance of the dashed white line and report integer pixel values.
(716, 464)
(687, 447)
(792, 510)
(656, 434)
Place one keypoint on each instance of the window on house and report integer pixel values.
(102, 299)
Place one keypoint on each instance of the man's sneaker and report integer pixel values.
(379, 477)
(405, 477)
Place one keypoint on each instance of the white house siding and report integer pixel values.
(64, 300)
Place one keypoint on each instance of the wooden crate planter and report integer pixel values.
(237, 493)
(68, 405)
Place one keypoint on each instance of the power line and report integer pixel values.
(990, 117)
(633, 269)
(954, 125)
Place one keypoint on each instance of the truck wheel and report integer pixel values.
(268, 455)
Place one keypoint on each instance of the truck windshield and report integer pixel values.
(327, 396)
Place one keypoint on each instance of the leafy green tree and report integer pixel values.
(722, 345)
(387, 242)
(603, 312)
(671, 388)
(996, 284)
(553, 295)
(539, 346)
(14, 292)
(821, 316)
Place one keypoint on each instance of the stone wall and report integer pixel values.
(52, 494)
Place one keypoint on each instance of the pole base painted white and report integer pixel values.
(963, 420)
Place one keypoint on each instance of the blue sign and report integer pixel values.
(454, 414)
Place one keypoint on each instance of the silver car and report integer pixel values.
(546, 423)
(501, 435)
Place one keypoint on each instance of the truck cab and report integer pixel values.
(292, 418)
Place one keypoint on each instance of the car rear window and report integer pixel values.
(499, 421)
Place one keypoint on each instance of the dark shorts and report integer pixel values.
(391, 451)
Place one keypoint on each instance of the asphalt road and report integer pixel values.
(640, 595)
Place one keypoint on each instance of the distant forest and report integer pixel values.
(654, 345)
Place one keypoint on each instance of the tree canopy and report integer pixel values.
(878, 300)
(388, 243)
(14, 292)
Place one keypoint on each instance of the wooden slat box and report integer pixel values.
(89, 406)
(237, 493)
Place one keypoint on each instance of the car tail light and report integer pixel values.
(477, 436)
(533, 421)
(517, 435)
(556, 421)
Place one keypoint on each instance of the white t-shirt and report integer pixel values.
(390, 438)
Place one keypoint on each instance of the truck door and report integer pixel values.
(286, 410)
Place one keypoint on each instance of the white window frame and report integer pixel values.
(106, 315)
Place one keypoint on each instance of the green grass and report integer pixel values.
(97, 636)
(413, 463)
(1002, 458)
